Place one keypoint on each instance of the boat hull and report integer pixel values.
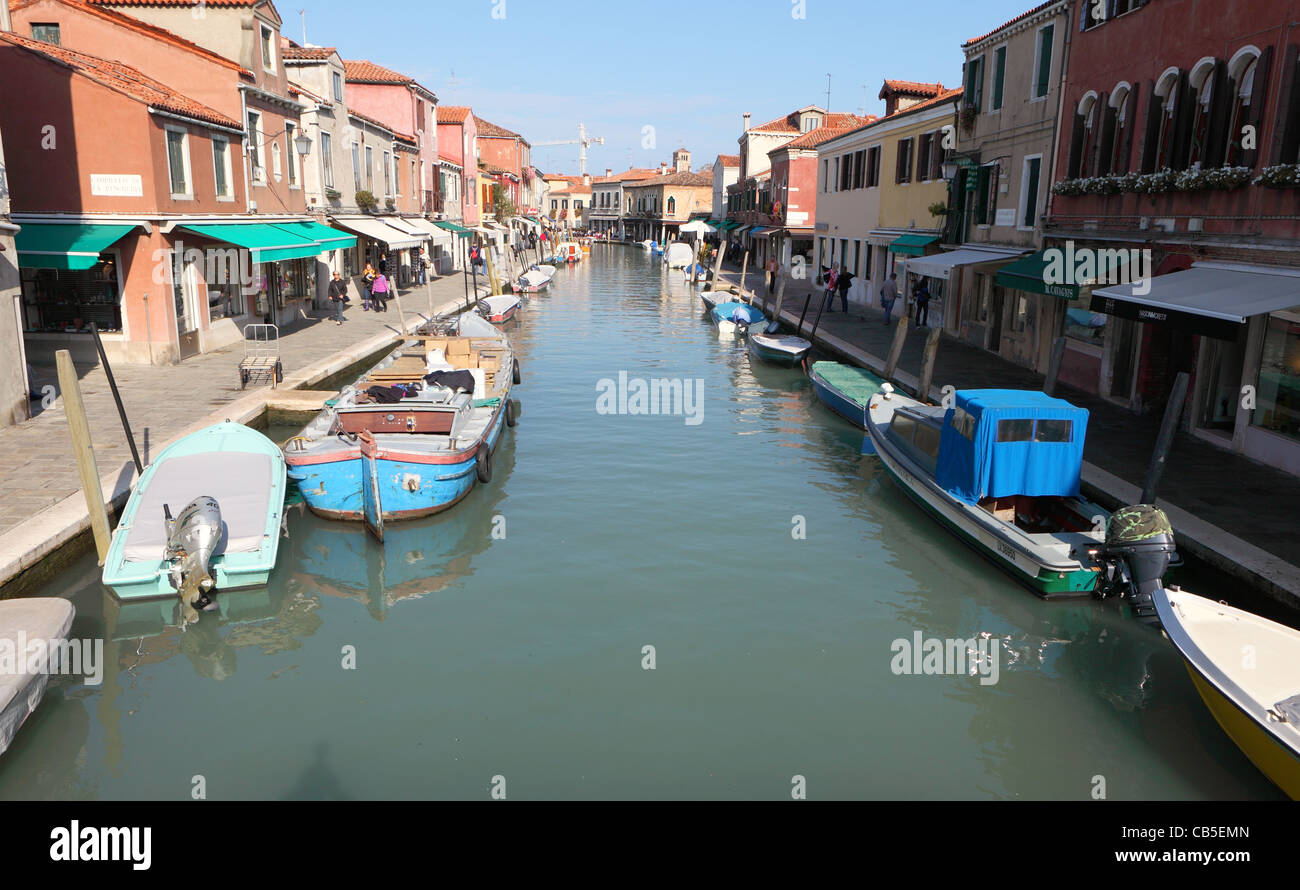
(1270, 756)
(785, 355)
(838, 402)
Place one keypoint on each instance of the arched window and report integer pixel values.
(1241, 83)
(1116, 151)
(672, 206)
(1200, 95)
(1167, 100)
(1085, 140)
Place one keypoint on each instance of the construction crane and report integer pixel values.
(583, 140)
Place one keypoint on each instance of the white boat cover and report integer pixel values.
(41, 618)
(679, 255)
(535, 278)
(244, 481)
(500, 304)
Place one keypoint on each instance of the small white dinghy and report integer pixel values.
(679, 255)
(498, 310)
(22, 682)
(1256, 701)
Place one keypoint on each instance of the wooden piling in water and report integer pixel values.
(1054, 366)
(744, 268)
(927, 364)
(75, 409)
(1168, 427)
(896, 349)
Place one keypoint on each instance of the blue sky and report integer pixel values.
(687, 68)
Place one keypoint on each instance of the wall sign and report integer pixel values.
(116, 185)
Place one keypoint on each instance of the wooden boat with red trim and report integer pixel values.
(499, 310)
(410, 438)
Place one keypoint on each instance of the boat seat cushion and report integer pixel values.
(180, 480)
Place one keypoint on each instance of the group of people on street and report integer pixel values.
(838, 281)
(376, 284)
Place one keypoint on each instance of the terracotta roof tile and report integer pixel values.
(453, 114)
(634, 173)
(790, 123)
(363, 71)
(729, 160)
(125, 80)
(911, 87)
(293, 52)
(816, 137)
(688, 179)
(489, 129)
(235, 3)
(1024, 15)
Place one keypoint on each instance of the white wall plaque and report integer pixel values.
(1006, 217)
(116, 185)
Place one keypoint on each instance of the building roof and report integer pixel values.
(486, 128)
(790, 123)
(729, 160)
(125, 80)
(633, 173)
(364, 71)
(453, 114)
(129, 21)
(688, 179)
(911, 88)
(232, 3)
(814, 138)
(295, 53)
(1024, 15)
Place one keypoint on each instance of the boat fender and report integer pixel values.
(515, 375)
(512, 412)
(483, 463)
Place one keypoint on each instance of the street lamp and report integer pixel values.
(303, 143)
(949, 170)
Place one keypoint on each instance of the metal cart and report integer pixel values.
(261, 362)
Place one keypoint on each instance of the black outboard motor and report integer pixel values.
(1139, 548)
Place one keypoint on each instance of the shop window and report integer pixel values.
(70, 299)
(1082, 324)
(1278, 406)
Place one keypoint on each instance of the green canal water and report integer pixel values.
(522, 656)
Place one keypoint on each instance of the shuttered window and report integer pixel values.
(1045, 39)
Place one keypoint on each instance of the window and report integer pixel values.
(974, 94)
(999, 76)
(1290, 123)
(672, 206)
(1043, 78)
(415, 185)
(1029, 192)
(268, 49)
(903, 169)
(356, 166)
(370, 166)
(555, 204)
(419, 115)
(963, 423)
(1015, 430)
(873, 166)
(1115, 132)
(836, 185)
(388, 184)
(925, 141)
(859, 169)
(255, 146)
(1083, 142)
(45, 33)
(338, 87)
(1159, 151)
(986, 195)
(221, 167)
(276, 171)
(292, 150)
(1245, 105)
(1020, 312)
(1200, 98)
(178, 162)
(327, 160)
(1054, 431)
(926, 439)
(826, 175)
(902, 427)
(846, 172)
(1279, 376)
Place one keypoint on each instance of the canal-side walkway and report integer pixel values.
(39, 483)
(1230, 511)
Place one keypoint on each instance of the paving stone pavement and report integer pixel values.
(1248, 499)
(37, 468)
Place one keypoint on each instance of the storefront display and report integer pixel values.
(1278, 406)
(70, 299)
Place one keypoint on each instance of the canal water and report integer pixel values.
(504, 645)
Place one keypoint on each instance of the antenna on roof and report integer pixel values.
(303, 13)
(452, 81)
(828, 94)
(864, 100)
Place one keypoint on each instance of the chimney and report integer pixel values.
(746, 116)
(609, 172)
(586, 179)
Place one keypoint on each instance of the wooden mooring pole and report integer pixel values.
(1169, 426)
(896, 349)
(79, 427)
(927, 363)
(1054, 366)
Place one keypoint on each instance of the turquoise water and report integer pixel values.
(521, 656)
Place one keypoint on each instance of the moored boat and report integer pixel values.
(413, 436)
(845, 389)
(29, 629)
(1000, 469)
(770, 345)
(499, 309)
(679, 255)
(531, 282)
(205, 514)
(1255, 701)
(733, 318)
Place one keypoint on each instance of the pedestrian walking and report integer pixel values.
(773, 268)
(368, 279)
(379, 293)
(831, 279)
(888, 295)
(921, 294)
(383, 264)
(338, 293)
(842, 284)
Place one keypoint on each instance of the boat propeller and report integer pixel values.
(192, 538)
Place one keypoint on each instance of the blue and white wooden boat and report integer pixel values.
(732, 319)
(378, 462)
(845, 389)
(243, 471)
(774, 347)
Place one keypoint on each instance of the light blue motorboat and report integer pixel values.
(226, 477)
(735, 318)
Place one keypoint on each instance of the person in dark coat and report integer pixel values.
(338, 294)
(842, 284)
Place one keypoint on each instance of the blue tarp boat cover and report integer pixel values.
(1002, 442)
(739, 313)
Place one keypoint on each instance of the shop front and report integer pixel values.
(963, 296)
(1235, 329)
(376, 239)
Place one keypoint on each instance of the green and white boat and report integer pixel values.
(1000, 469)
(225, 486)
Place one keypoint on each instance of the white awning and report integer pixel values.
(377, 230)
(434, 233)
(1212, 299)
(940, 265)
(405, 225)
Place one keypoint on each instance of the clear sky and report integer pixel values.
(686, 68)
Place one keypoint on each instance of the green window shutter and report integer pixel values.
(1031, 193)
(1045, 59)
(999, 75)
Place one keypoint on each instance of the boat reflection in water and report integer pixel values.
(417, 557)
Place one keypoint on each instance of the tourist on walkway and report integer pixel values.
(383, 264)
(831, 279)
(773, 267)
(842, 284)
(368, 279)
(421, 266)
(379, 293)
(338, 292)
(921, 293)
(889, 295)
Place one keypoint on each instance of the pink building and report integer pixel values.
(505, 157)
(458, 164)
(400, 103)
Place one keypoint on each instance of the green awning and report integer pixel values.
(65, 245)
(913, 245)
(453, 228)
(1032, 273)
(329, 238)
(267, 243)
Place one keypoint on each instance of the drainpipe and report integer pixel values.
(5, 23)
(248, 138)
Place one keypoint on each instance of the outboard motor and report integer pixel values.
(192, 538)
(1139, 549)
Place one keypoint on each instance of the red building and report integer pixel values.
(504, 157)
(1180, 136)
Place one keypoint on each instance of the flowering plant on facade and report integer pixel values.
(1100, 185)
(1165, 180)
(1068, 187)
(1283, 176)
(1222, 178)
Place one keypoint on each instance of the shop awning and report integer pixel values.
(65, 245)
(328, 238)
(429, 229)
(406, 226)
(763, 231)
(377, 230)
(1030, 273)
(453, 228)
(1210, 299)
(267, 243)
(912, 245)
(940, 265)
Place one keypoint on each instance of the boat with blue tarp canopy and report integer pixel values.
(1004, 442)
